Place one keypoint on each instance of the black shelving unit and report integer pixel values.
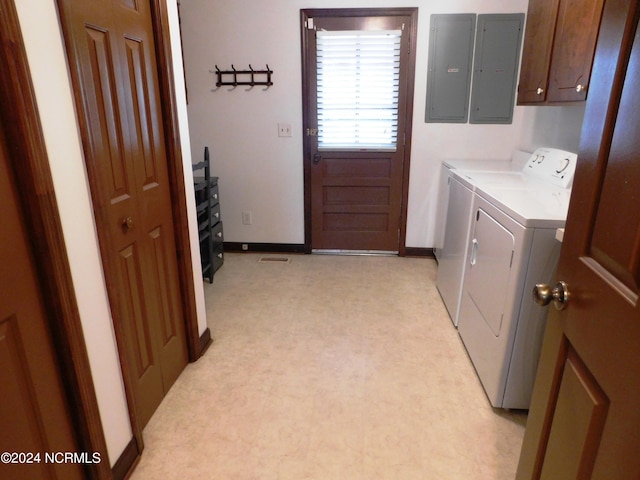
(209, 220)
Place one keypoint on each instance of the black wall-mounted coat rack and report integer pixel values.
(249, 77)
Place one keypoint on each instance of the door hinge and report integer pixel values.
(312, 132)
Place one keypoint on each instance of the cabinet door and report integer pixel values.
(573, 49)
(536, 53)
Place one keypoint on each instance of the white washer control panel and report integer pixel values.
(552, 165)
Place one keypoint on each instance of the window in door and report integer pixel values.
(358, 78)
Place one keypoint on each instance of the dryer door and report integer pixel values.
(489, 269)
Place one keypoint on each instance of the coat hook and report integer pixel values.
(218, 73)
(253, 80)
(269, 82)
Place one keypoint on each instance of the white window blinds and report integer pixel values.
(358, 81)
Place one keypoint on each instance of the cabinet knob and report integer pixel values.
(539, 91)
(580, 88)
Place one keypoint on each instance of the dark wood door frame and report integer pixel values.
(28, 158)
(195, 343)
(305, 14)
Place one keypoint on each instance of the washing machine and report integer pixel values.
(511, 246)
(454, 220)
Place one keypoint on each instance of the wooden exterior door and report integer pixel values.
(356, 199)
(34, 414)
(110, 44)
(584, 420)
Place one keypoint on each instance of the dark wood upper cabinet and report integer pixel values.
(536, 52)
(559, 44)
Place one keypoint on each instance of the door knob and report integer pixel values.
(543, 294)
(316, 158)
(127, 224)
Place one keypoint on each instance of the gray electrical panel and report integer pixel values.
(449, 76)
(495, 70)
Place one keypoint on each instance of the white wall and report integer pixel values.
(183, 125)
(47, 61)
(262, 173)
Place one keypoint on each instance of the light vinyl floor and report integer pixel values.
(329, 367)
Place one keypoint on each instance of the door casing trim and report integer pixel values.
(412, 12)
(20, 118)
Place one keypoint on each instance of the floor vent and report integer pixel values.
(274, 260)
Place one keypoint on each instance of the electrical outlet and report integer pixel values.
(284, 129)
(247, 218)
(245, 246)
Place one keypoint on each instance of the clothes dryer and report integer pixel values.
(512, 246)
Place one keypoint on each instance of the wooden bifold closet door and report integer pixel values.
(110, 44)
